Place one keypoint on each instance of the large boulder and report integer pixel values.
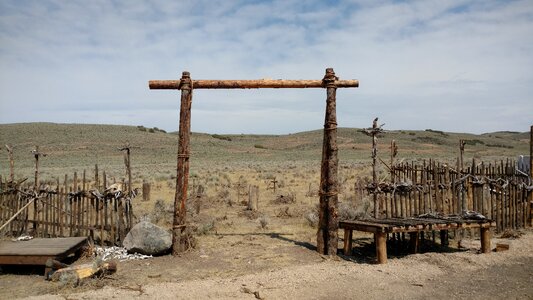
(147, 238)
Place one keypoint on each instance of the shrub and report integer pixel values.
(500, 146)
(428, 140)
(204, 229)
(263, 221)
(259, 146)
(474, 142)
(221, 137)
(312, 219)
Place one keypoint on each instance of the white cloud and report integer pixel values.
(448, 65)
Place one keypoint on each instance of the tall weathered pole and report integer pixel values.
(461, 153)
(393, 153)
(127, 164)
(531, 175)
(179, 239)
(36, 155)
(374, 175)
(11, 163)
(327, 236)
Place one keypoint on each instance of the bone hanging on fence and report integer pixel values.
(327, 232)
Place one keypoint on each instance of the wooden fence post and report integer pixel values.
(530, 198)
(461, 153)
(327, 236)
(11, 163)
(393, 153)
(96, 180)
(127, 164)
(146, 191)
(179, 239)
(36, 155)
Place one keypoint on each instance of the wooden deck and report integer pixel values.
(38, 251)
(381, 227)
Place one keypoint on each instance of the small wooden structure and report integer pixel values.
(381, 227)
(38, 251)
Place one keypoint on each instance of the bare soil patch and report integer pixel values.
(277, 265)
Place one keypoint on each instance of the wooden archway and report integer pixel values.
(327, 236)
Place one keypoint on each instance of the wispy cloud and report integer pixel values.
(450, 65)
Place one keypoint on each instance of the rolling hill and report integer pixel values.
(74, 147)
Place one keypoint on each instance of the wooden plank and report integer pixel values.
(248, 84)
(41, 246)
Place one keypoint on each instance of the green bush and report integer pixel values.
(221, 137)
(474, 142)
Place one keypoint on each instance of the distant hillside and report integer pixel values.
(72, 147)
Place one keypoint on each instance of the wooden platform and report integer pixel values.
(380, 228)
(38, 251)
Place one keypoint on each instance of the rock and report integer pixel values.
(148, 239)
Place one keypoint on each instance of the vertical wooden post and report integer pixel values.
(35, 186)
(381, 247)
(530, 197)
(127, 163)
(393, 153)
(485, 240)
(348, 234)
(461, 153)
(374, 175)
(327, 235)
(11, 163)
(179, 240)
(120, 211)
(96, 180)
(414, 243)
(36, 178)
(146, 191)
(128, 168)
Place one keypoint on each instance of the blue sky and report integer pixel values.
(462, 66)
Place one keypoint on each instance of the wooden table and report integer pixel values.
(413, 226)
(38, 251)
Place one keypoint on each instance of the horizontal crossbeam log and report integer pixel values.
(249, 84)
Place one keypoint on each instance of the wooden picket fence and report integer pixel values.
(496, 190)
(65, 210)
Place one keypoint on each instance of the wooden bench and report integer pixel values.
(381, 227)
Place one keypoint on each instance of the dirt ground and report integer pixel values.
(271, 264)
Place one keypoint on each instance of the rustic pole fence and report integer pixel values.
(327, 232)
